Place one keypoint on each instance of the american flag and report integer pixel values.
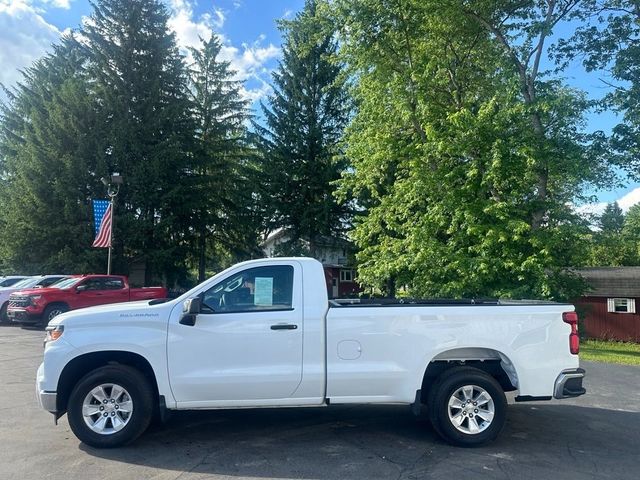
(102, 222)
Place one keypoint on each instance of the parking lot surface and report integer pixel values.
(594, 436)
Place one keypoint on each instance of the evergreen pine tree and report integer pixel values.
(219, 154)
(140, 87)
(612, 219)
(304, 120)
(49, 136)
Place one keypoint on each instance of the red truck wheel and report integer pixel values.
(52, 311)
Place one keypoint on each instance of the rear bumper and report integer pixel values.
(569, 384)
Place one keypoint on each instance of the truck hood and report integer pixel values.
(114, 312)
(36, 291)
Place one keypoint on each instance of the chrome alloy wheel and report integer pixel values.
(471, 409)
(107, 408)
(54, 313)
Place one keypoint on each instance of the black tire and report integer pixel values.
(442, 391)
(3, 313)
(139, 392)
(51, 312)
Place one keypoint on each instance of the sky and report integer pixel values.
(251, 42)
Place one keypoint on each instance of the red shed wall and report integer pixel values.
(598, 323)
(345, 289)
(348, 289)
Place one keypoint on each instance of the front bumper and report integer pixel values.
(47, 400)
(569, 384)
(22, 316)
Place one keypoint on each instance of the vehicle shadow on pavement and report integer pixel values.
(23, 327)
(370, 442)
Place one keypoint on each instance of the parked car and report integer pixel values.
(41, 305)
(10, 280)
(40, 281)
(264, 334)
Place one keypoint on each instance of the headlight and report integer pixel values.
(53, 333)
(33, 299)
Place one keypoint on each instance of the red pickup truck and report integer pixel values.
(39, 306)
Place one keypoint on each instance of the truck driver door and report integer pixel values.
(246, 343)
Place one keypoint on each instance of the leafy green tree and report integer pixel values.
(631, 226)
(465, 157)
(220, 189)
(618, 241)
(608, 39)
(139, 83)
(304, 120)
(612, 250)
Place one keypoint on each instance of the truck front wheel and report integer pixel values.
(467, 407)
(52, 311)
(3, 313)
(110, 407)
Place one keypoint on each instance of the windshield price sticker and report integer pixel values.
(263, 294)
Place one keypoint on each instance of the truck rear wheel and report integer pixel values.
(111, 406)
(467, 407)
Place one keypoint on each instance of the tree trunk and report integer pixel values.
(313, 248)
(202, 250)
(391, 287)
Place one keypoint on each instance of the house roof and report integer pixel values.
(612, 281)
(277, 233)
(320, 240)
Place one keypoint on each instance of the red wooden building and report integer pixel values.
(341, 282)
(608, 309)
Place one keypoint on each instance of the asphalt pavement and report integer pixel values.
(594, 436)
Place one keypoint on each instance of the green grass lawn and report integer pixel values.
(624, 353)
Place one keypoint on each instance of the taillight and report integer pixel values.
(574, 340)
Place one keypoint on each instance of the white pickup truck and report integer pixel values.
(264, 334)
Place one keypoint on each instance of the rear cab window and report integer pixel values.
(113, 283)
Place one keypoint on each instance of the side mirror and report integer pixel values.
(190, 310)
(81, 288)
(192, 305)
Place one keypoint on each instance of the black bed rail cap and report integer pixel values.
(388, 302)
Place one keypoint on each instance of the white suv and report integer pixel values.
(26, 282)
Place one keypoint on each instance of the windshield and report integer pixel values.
(67, 283)
(27, 282)
(50, 281)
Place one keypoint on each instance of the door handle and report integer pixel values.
(284, 326)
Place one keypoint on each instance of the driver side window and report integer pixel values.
(94, 284)
(252, 290)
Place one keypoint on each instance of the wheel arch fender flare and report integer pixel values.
(84, 363)
(492, 361)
